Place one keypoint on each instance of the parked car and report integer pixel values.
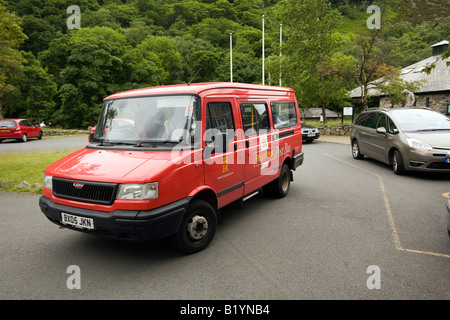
(309, 133)
(20, 129)
(415, 139)
(116, 124)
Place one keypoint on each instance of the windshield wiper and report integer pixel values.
(154, 142)
(115, 143)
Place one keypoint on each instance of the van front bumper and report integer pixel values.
(148, 225)
(433, 161)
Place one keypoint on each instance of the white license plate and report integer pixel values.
(77, 221)
(311, 134)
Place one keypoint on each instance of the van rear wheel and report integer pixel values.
(279, 188)
(197, 228)
(355, 150)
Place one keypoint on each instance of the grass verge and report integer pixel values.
(329, 123)
(29, 167)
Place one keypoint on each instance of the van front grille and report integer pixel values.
(85, 191)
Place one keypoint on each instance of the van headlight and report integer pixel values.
(419, 145)
(146, 191)
(48, 182)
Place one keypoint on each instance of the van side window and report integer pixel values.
(366, 119)
(284, 114)
(391, 126)
(255, 118)
(381, 121)
(219, 115)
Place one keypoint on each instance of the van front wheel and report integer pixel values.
(197, 228)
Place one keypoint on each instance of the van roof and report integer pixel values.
(195, 88)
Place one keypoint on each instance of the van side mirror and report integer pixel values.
(381, 130)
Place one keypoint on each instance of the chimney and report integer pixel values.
(439, 48)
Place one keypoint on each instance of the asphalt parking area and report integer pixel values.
(389, 213)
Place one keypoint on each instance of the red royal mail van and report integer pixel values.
(164, 160)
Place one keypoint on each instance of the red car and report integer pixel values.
(20, 129)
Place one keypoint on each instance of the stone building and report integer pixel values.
(435, 90)
(315, 114)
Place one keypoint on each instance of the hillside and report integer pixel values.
(63, 73)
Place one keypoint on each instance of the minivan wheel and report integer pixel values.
(355, 150)
(397, 163)
(197, 228)
(279, 188)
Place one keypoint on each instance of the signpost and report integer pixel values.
(348, 111)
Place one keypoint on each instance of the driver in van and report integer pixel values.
(154, 126)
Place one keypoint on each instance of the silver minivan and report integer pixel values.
(415, 139)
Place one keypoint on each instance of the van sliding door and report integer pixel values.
(259, 155)
(223, 170)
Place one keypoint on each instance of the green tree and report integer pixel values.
(310, 49)
(187, 45)
(205, 63)
(87, 66)
(167, 53)
(11, 37)
(37, 90)
(216, 31)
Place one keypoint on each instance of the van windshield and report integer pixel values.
(413, 120)
(149, 120)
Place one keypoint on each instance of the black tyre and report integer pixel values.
(197, 228)
(24, 138)
(397, 163)
(279, 188)
(355, 151)
(40, 135)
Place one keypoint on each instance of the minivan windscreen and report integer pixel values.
(149, 120)
(420, 120)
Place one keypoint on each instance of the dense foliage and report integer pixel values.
(60, 75)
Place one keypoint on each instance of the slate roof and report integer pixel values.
(437, 80)
(317, 112)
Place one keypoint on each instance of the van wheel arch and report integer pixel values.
(207, 195)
